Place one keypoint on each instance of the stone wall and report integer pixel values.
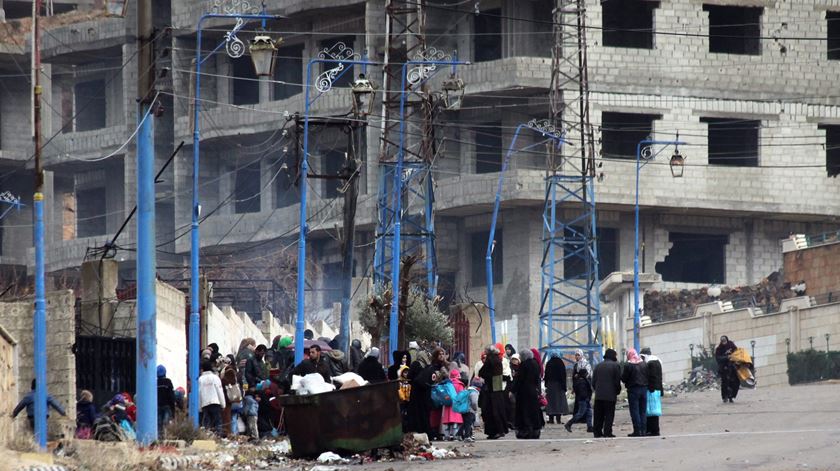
(171, 338)
(17, 318)
(8, 384)
(670, 340)
(819, 266)
(227, 328)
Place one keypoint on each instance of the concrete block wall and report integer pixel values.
(670, 340)
(17, 317)
(227, 328)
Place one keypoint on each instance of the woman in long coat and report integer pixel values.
(555, 387)
(729, 382)
(528, 417)
(492, 399)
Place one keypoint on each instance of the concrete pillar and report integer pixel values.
(99, 287)
(794, 331)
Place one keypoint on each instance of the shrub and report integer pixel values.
(812, 365)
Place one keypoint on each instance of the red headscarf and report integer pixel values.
(539, 361)
(501, 349)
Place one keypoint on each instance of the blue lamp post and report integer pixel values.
(644, 154)
(415, 73)
(340, 59)
(235, 48)
(549, 132)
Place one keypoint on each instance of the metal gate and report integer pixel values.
(461, 341)
(105, 366)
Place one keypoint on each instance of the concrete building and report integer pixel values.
(759, 114)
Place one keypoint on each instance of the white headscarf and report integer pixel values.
(583, 363)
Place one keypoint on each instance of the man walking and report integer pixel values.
(606, 381)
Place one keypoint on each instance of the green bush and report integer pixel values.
(706, 361)
(812, 365)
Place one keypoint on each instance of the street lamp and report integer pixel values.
(453, 93)
(691, 349)
(827, 337)
(262, 51)
(235, 48)
(644, 154)
(787, 344)
(363, 96)
(752, 345)
(337, 60)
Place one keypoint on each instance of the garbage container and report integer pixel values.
(348, 420)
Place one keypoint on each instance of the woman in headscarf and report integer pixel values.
(509, 350)
(538, 357)
(229, 417)
(245, 353)
(555, 387)
(401, 358)
(356, 355)
(420, 398)
(459, 362)
(492, 399)
(370, 369)
(581, 363)
(635, 379)
(729, 382)
(440, 373)
(507, 380)
(526, 388)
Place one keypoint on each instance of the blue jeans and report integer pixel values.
(637, 397)
(583, 414)
(164, 416)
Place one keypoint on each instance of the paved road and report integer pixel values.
(783, 428)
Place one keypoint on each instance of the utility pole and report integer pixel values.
(351, 194)
(146, 396)
(40, 321)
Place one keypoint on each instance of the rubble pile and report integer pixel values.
(700, 379)
(670, 305)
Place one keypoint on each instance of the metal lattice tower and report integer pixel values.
(405, 40)
(569, 308)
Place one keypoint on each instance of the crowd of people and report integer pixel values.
(439, 394)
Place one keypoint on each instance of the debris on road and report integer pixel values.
(699, 379)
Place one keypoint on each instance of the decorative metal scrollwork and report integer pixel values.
(338, 52)
(421, 72)
(545, 127)
(233, 7)
(234, 46)
(647, 153)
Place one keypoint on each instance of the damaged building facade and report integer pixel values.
(757, 114)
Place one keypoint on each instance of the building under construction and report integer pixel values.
(747, 85)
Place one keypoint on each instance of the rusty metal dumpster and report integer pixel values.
(349, 420)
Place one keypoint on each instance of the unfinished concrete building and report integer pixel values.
(759, 115)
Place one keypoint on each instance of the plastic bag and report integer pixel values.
(654, 404)
(442, 393)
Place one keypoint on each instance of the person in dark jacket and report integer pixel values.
(166, 398)
(654, 367)
(583, 396)
(370, 369)
(555, 387)
(528, 416)
(606, 381)
(85, 415)
(729, 382)
(401, 358)
(314, 364)
(492, 398)
(255, 370)
(356, 355)
(635, 379)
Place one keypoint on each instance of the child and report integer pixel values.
(85, 415)
(449, 418)
(250, 410)
(583, 393)
(404, 393)
(465, 433)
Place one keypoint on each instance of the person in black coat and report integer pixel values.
(729, 382)
(583, 396)
(400, 358)
(555, 387)
(528, 416)
(635, 379)
(315, 363)
(492, 398)
(606, 381)
(654, 367)
(370, 369)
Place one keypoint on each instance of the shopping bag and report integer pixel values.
(654, 404)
